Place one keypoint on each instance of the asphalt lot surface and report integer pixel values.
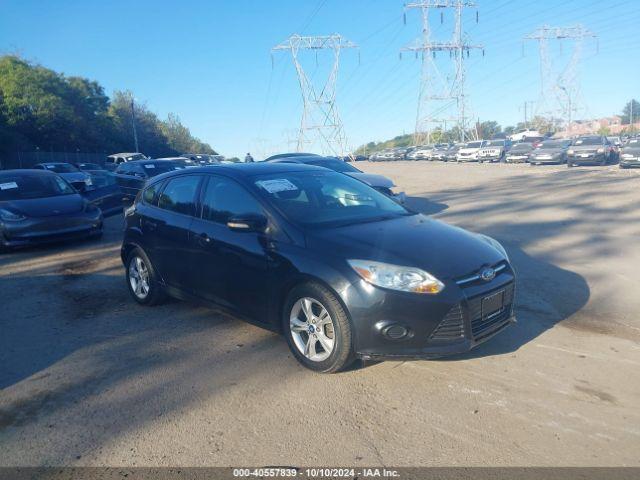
(87, 377)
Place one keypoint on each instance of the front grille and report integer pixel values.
(482, 324)
(451, 327)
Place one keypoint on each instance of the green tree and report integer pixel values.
(180, 139)
(632, 107)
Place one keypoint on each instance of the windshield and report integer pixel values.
(495, 143)
(335, 165)
(522, 147)
(137, 156)
(22, 187)
(326, 198)
(552, 144)
(588, 141)
(60, 167)
(473, 145)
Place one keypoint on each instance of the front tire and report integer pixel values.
(317, 329)
(142, 280)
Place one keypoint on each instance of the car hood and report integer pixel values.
(443, 250)
(46, 207)
(74, 176)
(491, 149)
(516, 153)
(631, 150)
(372, 179)
(549, 151)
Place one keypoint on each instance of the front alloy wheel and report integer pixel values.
(318, 328)
(312, 329)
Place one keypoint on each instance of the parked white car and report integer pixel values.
(469, 153)
(420, 153)
(494, 150)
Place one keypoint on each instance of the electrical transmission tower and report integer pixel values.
(560, 95)
(439, 92)
(320, 120)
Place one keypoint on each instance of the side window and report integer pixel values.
(225, 198)
(149, 194)
(179, 194)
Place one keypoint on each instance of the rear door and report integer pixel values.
(169, 224)
(232, 267)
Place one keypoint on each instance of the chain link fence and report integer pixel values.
(29, 159)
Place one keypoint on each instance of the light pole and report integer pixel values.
(133, 123)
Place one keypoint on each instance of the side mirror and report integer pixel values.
(248, 223)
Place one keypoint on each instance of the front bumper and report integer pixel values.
(466, 158)
(517, 158)
(629, 161)
(489, 157)
(449, 323)
(586, 159)
(546, 161)
(35, 231)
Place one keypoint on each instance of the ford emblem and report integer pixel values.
(487, 274)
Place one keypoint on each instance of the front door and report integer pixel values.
(232, 266)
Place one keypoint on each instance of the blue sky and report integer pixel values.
(209, 61)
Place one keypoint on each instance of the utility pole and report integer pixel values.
(320, 120)
(133, 123)
(559, 88)
(525, 107)
(438, 91)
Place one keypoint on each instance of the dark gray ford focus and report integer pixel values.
(337, 267)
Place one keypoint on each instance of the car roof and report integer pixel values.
(54, 163)
(245, 170)
(303, 158)
(124, 154)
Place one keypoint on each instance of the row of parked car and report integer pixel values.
(584, 150)
(58, 201)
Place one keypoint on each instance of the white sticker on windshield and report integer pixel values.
(150, 165)
(8, 185)
(277, 185)
(50, 167)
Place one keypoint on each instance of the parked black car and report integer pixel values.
(131, 176)
(39, 206)
(288, 155)
(105, 192)
(342, 270)
(519, 153)
(72, 174)
(381, 183)
(550, 151)
(630, 154)
(589, 150)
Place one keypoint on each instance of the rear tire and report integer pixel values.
(142, 280)
(318, 329)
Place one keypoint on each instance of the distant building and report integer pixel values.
(588, 127)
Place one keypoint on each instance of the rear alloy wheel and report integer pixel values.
(141, 279)
(318, 329)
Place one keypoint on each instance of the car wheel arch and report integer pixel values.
(302, 279)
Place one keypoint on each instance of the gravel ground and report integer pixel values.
(87, 377)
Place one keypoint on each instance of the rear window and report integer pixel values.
(179, 194)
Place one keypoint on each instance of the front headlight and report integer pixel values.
(601, 150)
(9, 216)
(570, 152)
(394, 277)
(495, 244)
(88, 182)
